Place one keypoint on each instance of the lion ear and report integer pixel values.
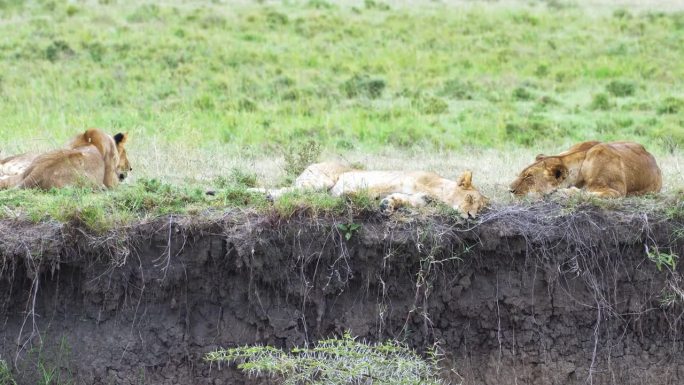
(121, 138)
(466, 179)
(540, 157)
(559, 171)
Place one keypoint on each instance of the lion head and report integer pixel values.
(112, 150)
(124, 165)
(542, 177)
(470, 200)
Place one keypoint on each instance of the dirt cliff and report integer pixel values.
(539, 294)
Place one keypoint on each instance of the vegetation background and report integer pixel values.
(231, 93)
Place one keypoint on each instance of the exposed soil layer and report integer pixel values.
(526, 294)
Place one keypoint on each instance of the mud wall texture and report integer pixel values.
(527, 294)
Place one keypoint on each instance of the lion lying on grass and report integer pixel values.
(16, 164)
(610, 170)
(318, 176)
(92, 158)
(397, 188)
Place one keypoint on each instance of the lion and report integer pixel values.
(318, 176)
(609, 170)
(92, 158)
(397, 188)
(414, 188)
(15, 164)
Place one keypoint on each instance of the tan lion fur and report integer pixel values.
(398, 188)
(414, 188)
(15, 164)
(614, 169)
(317, 176)
(92, 158)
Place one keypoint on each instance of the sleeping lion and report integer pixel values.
(608, 170)
(92, 158)
(397, 188)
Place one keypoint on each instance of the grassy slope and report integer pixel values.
(203, 86)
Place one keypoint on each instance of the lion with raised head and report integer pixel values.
(92, 158)
(397, 188)
(609, 170)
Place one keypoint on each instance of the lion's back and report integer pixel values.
(55, 169)
(639, 167)
(16, 165)
(321, 176)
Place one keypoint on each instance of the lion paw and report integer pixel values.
(569, 192)
(388, 205)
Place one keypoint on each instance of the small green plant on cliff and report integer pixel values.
(336, 361)
(668, 299)
(48, 374)
(6, 374)
(662, 259)
(53, 366)
(348, 229)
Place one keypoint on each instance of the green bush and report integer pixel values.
(336, 361)
(621, 88)
(528, 131)
(432, 105)
(671, 105)
(363, 85)
(522, 93)
(59, 49)
(600, 101)
(458, 89)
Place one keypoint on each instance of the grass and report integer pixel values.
(209, 90)
(6, 377)
(144, 199)
(336, 361)
(667, 260)
(207, 74)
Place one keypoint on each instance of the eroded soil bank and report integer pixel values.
(527, 295)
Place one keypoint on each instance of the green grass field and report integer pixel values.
(207, 88)
(441, 77)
